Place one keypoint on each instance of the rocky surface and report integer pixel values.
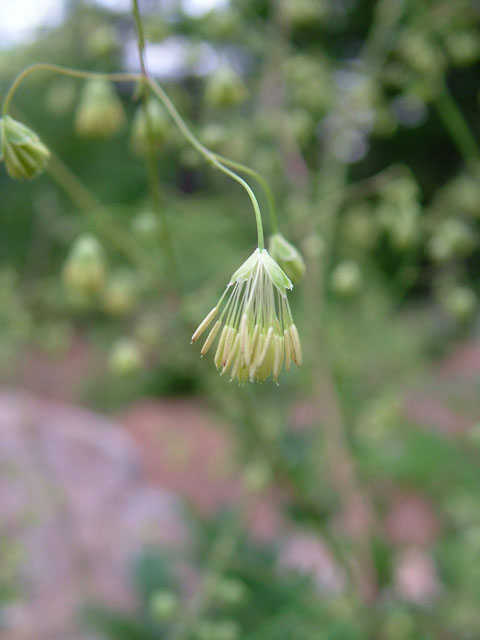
(76, 508)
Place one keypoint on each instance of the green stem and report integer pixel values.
(71, 185)
(157, 89)
(456, 125)
(73, 73)
(140, 35)
(222, 551)
(150, 155)
(209, 155)
(261, 181)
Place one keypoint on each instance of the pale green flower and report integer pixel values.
(256, 328)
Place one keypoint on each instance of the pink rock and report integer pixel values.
(73, 493)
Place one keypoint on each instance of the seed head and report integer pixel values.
(23, 152)
(255, 325)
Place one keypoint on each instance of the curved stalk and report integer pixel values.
(209, 155)
(158, 90)
(261, 181)
(66, 71)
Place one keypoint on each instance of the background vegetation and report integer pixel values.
(363, 116)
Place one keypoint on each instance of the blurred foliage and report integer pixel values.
(363, 115)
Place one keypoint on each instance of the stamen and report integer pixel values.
(211, 337)
(204, 324)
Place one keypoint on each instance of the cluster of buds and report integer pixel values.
(258, 335)
(23, 152)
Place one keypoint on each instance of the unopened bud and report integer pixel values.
(125, 357)
(225, 89)
(346, 278)
(120, 293)
(460, 303)
(100, 113)
(22, 151)
(150, 125)
(288, 257)
(146, 225)
(85, 268)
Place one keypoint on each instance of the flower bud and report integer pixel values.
(150, 122)
(125, 357)
(23, 152)
(100, 113)
(452, 238)
(85, 268)
(146, 225)
(225, 89)
(287, 256)
(120, 293)
(460, 303)
(346, 278)
(147, 331)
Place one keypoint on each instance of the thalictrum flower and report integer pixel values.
(255, 324)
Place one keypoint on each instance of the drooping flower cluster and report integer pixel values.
(257, 332)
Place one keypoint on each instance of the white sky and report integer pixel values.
(19, 18)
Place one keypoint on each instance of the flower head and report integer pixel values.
(257, 333)
(23, 152)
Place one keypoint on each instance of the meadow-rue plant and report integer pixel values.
(258, 335)
(23, 152)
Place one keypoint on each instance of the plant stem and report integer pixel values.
(82, 197)
(261, 181)
(209, 155)
(150, 155)
(55, 68)
(456, 125)
(222, 551)
(158, 90)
